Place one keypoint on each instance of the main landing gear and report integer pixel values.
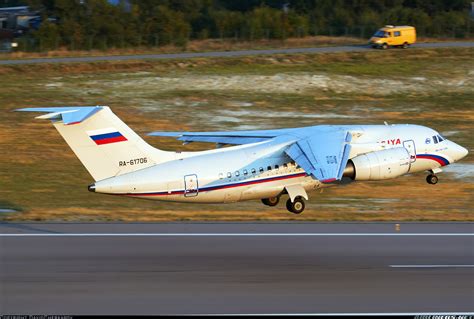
(295, 207)
(271, 201)
(432, 179)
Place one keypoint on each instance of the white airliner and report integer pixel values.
(262, 164)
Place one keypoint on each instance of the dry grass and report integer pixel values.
(400, 62)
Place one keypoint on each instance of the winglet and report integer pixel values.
(69, 114)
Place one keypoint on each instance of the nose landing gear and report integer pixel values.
(432, 179)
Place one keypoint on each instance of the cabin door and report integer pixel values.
(191, 186)
(410, 146)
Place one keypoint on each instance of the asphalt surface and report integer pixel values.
(347, 48)
(230, 268)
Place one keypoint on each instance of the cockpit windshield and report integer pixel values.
(438, 138)
(380, 34)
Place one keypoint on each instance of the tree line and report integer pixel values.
(87, 24)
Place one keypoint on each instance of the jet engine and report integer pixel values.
(373, 166)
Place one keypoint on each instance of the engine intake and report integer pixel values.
(379, 165)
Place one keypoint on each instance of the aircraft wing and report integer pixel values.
(233, 137)
(324, 155)
(322, 151)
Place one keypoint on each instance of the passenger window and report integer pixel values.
(254, 171)
(397, 33)
(269, 168)
(221, 175)
(435, 139)
(277, 167)
(245, 172)
(298, 167)
(261, 169)
(229, 175)
(237, 173)
(285, 165)
(389, 34)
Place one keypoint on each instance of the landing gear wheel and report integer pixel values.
(271, 201)
(297, 206)
(432, 179)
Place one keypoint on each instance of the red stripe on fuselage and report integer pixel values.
(215, 188)
(441, 162)
(329, 180)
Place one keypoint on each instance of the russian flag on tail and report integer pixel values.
(106, 136)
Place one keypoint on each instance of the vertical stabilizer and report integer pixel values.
(104, 144)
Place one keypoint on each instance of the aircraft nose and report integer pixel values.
(459, 152)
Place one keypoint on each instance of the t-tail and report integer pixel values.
(104, 144)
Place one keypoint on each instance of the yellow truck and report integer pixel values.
(393, 36)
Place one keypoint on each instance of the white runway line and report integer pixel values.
(229, 234)
(432, 266)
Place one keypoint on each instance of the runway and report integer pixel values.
(235, 268)
(188, 55)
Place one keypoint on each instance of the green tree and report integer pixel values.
(47, 36)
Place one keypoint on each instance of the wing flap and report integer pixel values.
(324, 156)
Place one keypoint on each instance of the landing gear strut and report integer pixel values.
(297, 206)
(432, 179)
(271, 201)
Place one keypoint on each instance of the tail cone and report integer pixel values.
(91, 188)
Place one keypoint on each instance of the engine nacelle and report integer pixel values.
(379, 165)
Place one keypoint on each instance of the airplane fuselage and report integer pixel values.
(262, 170)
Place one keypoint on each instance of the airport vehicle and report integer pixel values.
(261, 164)
(393, 36)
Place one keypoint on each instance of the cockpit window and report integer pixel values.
(440, 139)
(435, 139)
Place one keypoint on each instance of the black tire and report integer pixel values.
(297, 206)
(432, 179)
(405, 45)
(384, 46)
(271, 201)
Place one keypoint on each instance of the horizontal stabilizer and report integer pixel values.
(68, 114)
